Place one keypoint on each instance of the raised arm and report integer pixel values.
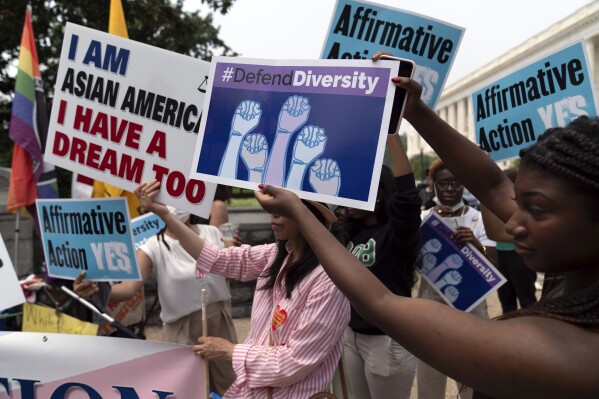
(127, 289)
(517, 357)
(400, 164)
(188, 239)
(468, 163)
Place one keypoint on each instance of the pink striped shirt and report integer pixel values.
(308, 327)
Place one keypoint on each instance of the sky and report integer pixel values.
(286, 29)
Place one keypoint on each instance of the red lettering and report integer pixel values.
(83, 118)
(100, 126)
(161, 171)
(158, 144)
(109, 162)
(131, 168)
(195, 191)
(78, 150)
(175, 183)
(133, 135)
(62, 109)
(61, 144)
(93, 155)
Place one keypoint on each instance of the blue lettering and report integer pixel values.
(73, 47)
(129, 393)
(61, 391)
(114, 61)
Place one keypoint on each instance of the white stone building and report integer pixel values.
(455, 103)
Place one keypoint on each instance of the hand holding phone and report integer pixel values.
(405, 70)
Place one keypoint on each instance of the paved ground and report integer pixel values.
(242, 326)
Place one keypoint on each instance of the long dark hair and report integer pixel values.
(571, 154)
(296, 271)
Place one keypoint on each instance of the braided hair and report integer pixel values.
(571, 154)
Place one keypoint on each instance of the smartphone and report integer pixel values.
(405, 70)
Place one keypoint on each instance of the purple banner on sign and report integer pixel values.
(350, 80)
(479, 263)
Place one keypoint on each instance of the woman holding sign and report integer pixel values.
(548, 350)
(298, 315)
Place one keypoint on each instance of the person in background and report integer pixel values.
(180, 293)
(520, 284)
(548, 350)
(298, 315)
(218, 212)
(469, 228)
(386, 241)
(427, 193)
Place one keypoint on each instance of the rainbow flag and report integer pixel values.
(31, 177)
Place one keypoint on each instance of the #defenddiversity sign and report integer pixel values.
(316, 127)
(125, 112)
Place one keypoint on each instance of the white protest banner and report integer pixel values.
(91, 235)
(315, 127)
(511, 113)
(459, 273)
(125, 113)
(11, 293)
(359, 29)
(60, 366)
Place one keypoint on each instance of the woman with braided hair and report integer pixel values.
(548, 350)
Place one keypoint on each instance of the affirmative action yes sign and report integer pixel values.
(125, 112)
(511, 113)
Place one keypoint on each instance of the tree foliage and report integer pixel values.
(160, 23)
(420, 164)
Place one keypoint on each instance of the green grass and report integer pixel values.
(243, 203)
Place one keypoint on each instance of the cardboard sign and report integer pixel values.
(144, 227)
(511, 113)
(459, 273)
(11, 293)
(360, 29)
(38, 318)
(314, 127)
(91, 235)
(125, 113)
(45, 365)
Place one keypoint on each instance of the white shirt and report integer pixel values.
(179, 291)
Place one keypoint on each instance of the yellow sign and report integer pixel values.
(38, 318)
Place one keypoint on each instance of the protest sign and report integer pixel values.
(91, 235)
(125, 113)
(38, 318)
(511, 113)
(126, 312)
(359, 29)
(45, 365)
(459, 273)
(144, 227)
(315, 127)
(11, 293)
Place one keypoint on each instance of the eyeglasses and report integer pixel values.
(443, 184)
